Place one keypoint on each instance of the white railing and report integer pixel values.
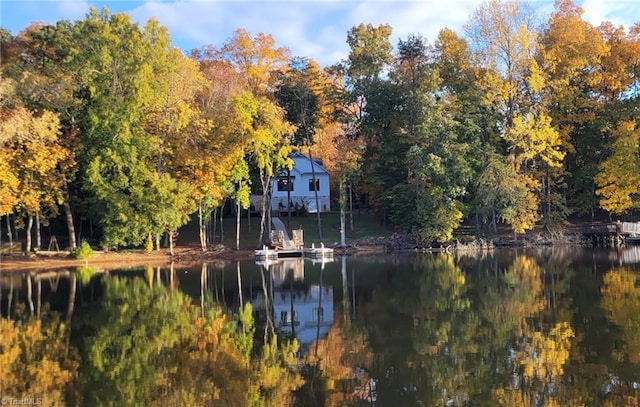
(633, 228)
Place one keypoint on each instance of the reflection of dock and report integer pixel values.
(267, 255)
(629, 255)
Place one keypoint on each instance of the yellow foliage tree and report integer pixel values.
(619, 178)
(30, 154)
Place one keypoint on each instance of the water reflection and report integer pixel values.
(303, 311)
(520, 327)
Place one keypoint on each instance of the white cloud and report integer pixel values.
(313, 28)
(618, 12)
(72, 10)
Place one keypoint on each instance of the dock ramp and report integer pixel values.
(282, 233)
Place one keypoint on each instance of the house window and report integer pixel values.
(285, 320)
(317, 183)
(318, 314)
(285, 184)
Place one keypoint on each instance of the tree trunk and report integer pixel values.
(288, 198)
(493, 220)
(315, 194)
(68, 215)
(343, 203)
(238, 214)
(249, 217)
(27, 248)
(221, 219)
(202, 228)
(9, 234)
(351, 207)
(172, 237)
(38, 246)
(214, 226)
(265, 206)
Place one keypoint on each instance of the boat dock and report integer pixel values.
(284, 247)
(614, 233)
(265, 254)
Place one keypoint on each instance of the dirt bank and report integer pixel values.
(182, 256)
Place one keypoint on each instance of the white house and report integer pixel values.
(300, 182)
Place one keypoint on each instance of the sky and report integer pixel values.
(316, 29)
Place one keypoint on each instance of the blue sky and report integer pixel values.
(315, 29)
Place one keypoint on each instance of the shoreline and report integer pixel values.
(192, 256)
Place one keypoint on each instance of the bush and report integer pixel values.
(83, 251)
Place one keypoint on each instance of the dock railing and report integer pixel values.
(632, 228)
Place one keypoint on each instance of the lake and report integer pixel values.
(520, 327)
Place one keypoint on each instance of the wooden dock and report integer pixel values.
(283, 247)
(613, 233)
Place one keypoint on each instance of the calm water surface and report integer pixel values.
(543, 327)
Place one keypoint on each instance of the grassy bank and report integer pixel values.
(364, 225)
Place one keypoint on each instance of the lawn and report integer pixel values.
(364, 225)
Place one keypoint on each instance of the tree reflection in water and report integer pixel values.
(554, 327)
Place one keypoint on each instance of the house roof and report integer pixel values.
(302, 164)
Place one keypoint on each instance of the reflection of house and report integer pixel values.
(312, 315)
(299, 181)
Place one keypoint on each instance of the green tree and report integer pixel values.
(140, 95)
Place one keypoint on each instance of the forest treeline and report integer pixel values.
(519, 121)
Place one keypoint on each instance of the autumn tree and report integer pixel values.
(619, 178)
(266, 132)
(45, 81)
(336, 139)
(220, 164)
(31, 152)
(505, 37)
(570, 50)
